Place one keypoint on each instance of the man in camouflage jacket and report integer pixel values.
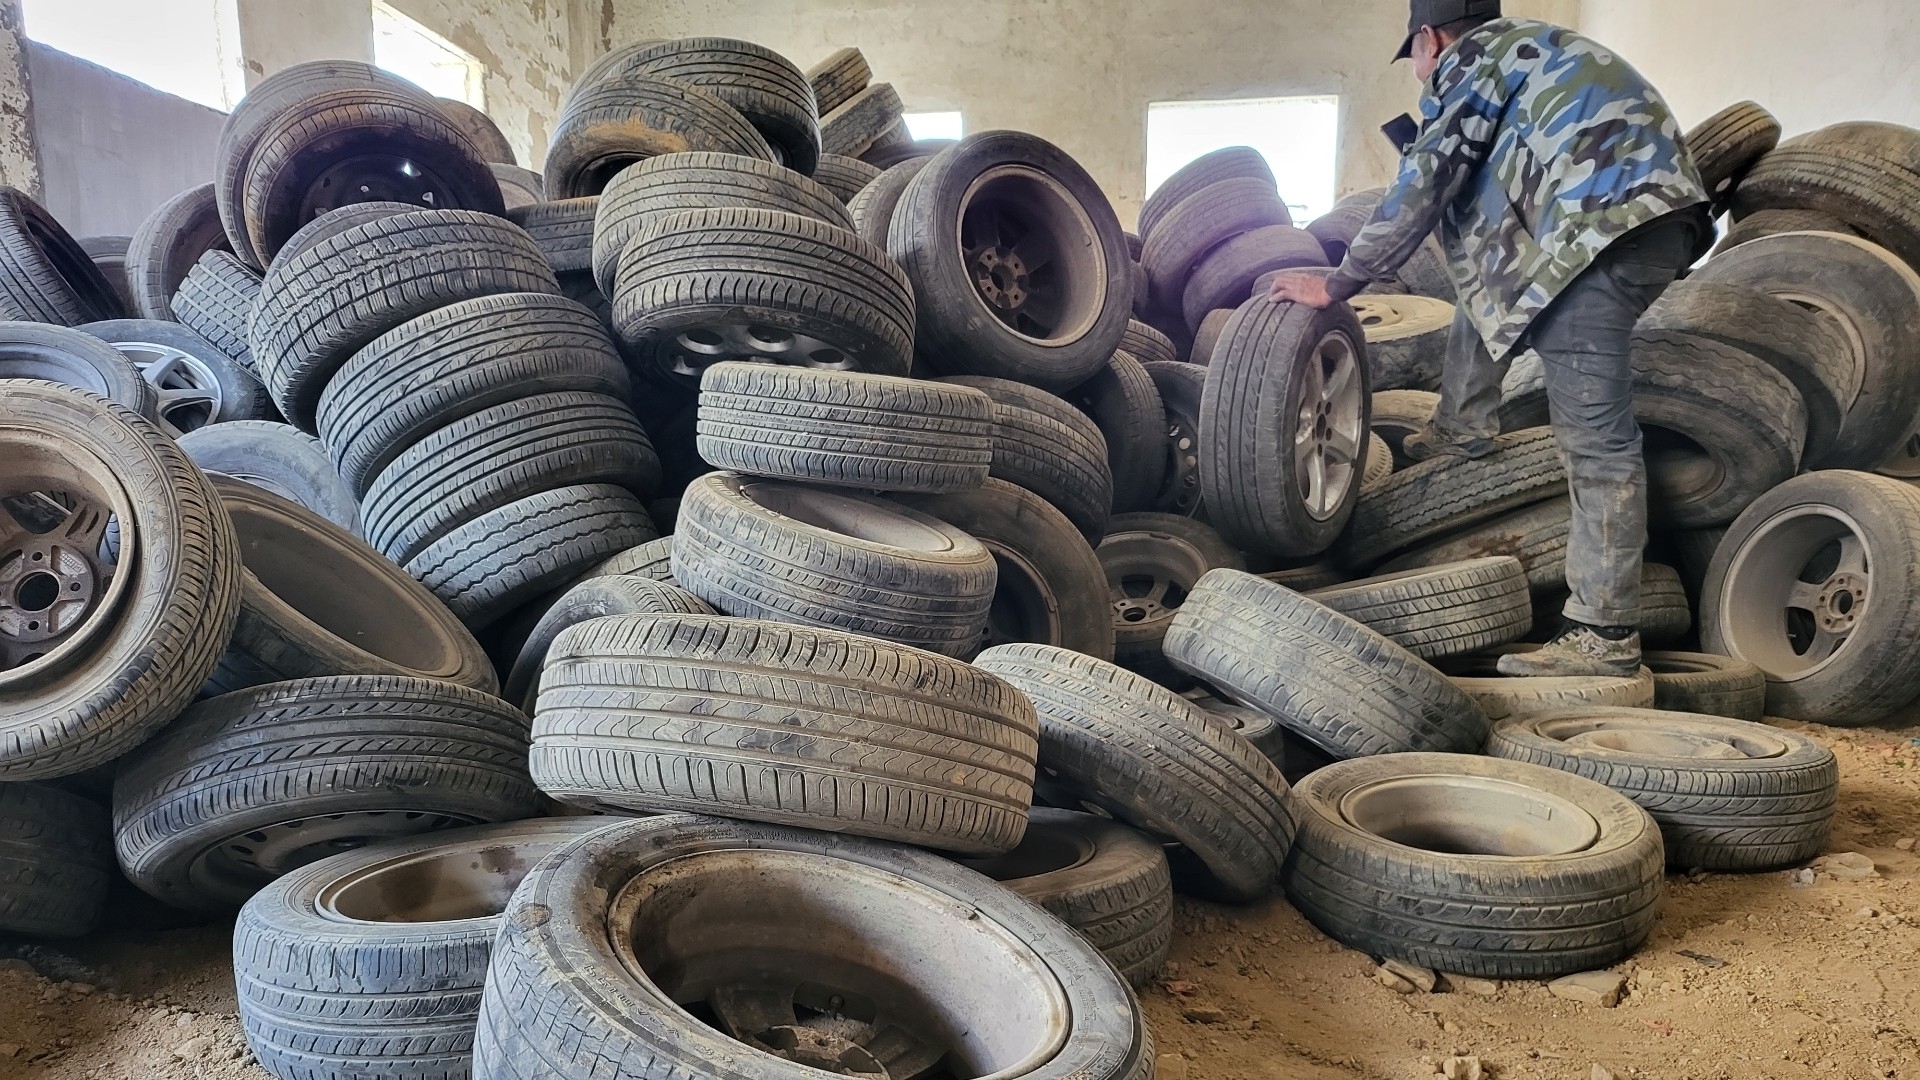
(1566, 204)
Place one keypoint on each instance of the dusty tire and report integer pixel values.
(45, 276)
(1502, 696)
(762, 86)
(872, 209)
(550, 984)
(1050, 588)
(1448, 494)
(1730, 796)
(1722, 428)
(891, 742)
(1406, 340)
(1202, 223)
(1327, 678)
(1852, 531)
(480, 130)
(1151, 562)
(74, 359)
(56, 861)
(316, 310)
(836, 79)
(326, 956)
(1224, 276)
(1231, 163)
(1147, 345)
(1150, 758)
(1107, 881)
(315, 600)
(518, 187)
(1877, 197)
(652, 560)
(1665, 616)
(1448, 610)
(1379, 461)
(596, 597)
(1267, 485)
(767, 549)
(864, 121)
(1537, 536)
(216, 300)
(1706, 684)
(845, 177)
(506, 557)
(615, 122)
(1045, 445)
(1182, 387)
(453, 362)
(1439, 889)
(1002, 330)
(843, 429)
(1398, 414)
(1728, 143)
(1123, 401)
(186, 805)
(167, 245)
(277, 458)
(147, 640)
(700, 287)
(562, 230)
(1773, 222)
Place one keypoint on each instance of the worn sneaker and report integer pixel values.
(1429, 442)
(1579, 649)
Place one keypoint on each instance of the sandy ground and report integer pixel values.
(1792, 979)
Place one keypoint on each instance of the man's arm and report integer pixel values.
(1462, 110)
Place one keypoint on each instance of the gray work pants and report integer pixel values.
(1583, 339)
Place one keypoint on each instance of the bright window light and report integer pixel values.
(426, 59)
(187, 48)
(1299, 137)
(935, 125)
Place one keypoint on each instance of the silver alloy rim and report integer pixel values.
(1796, 590)
(1329, 430)
(188, 391)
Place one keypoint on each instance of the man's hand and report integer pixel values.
(1308, 289)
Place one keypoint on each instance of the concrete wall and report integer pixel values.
(112, 149)
(1811, 65)
(19, 156)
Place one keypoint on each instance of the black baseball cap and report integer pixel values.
(1442, 12)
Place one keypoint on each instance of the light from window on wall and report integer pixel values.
(1299, 137)
(426, 59)
(187, 48)
(935, 125)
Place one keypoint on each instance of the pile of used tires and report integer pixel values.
(335, 588)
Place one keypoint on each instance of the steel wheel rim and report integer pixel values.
(466, 882)
(260, 855)
(187, 390)
(1149, 576)
(797, 986)
(1774, 617)
(1657, 738)
(1183, 473)
(374, 178)
(1023, 610)
(1469, 815)
(694, 350)
(1329, 428)
(1031, 255)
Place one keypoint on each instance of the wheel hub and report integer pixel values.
(1001, 278)
(53, 572)
(1843, 599)
(818, 1049)
(373, 178)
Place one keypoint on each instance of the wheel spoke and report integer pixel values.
(1853, 557)
(167, 367)
(1341, 448)
(747, 1011)
(1313, 385)
(905, 1057)
(1804, 597)
(1035, 252)
(85, 526)
(174, 398)
(1317, 480)
(1332, 388)
(1825, 643)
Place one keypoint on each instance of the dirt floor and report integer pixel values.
(1768, 977)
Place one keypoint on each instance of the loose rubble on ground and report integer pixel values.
(770, 595)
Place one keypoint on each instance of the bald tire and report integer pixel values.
(1052, 449)
(596, 597)
(1495, 918)
(1738, 814)
(1119, 897)
(838, 78)
(1877, 197)
(1150, 758)
(807, 727)
(56, 861)
(861, 121)
(1772, 222)
(1329, 679)
(1728, 143)
(1443, 610)
(1448, 494)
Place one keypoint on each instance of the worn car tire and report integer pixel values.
(1879, 198)
(845, 177)
(1406, 340)
(836, 79)
(1224, 277)
(614, 122)
(195, 384)
(1123, 401)
(56, 861)
(862, 122)
(45, 276)
(216, 300)
(872, 209)
(762, 86)
(275, 457)
(1202, 223)
(1230, 163)
(1447, 494)
(1537, 536)
(480, 130)
(76, 359)
(1441, 611)
(1502, 696)
(596, 597)
(1711, 685)
(1728, 143)
(1151, 562)
(1045, 445)
(1182, 387)
(1773, 222)
(167, 245)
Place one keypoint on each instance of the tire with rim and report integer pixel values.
(1329, 679)
(450, 363)
(1406, 339)
(190, 809)
(768, 549)
(326, 956)
(1151, 563)
(56, 861)
(1229, 163)
(1448, 610)
(109, 256)
(1268, 485)
(1048, 447)
(618, 121)
(699, 181)
(167, 245)
(884, 740)
(1182, 387)
(45, 276)
(506, 557)
(554, 988)
(1107, 881)
(1537, 536)
(338, 220)
(216, 301)
(985, 308)
(1448, 494)
(1147, 756)
(1711, 685)
(1124, 402)
(1725, 145)
(1050, 588)
(700, 287)
(1818, 584)
(844, 429)
(318, 309)
(1729, 795)
(194, 383)
(1492, 868)
(598, 596)
(277, 458)
(76, 359)
(315, 600)
(1502, 696)
(100, 652)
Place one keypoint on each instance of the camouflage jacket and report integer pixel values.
(1539, 149)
